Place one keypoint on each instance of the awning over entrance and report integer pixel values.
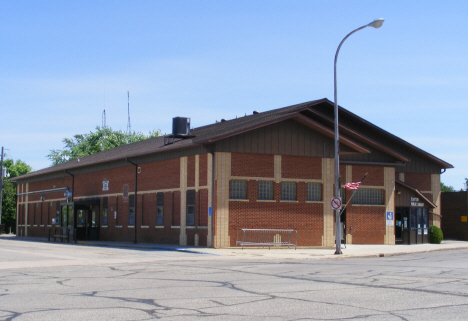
(417, 192)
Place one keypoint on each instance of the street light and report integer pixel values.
(376, 24)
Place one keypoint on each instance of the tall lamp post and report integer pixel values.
(376, 24)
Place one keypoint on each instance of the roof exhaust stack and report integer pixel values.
(180, 126)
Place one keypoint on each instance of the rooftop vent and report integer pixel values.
(180, 126)
(223, 119)
(255, 112)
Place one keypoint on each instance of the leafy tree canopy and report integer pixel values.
(9, 191)
(445, 188)
(16, 168)
(81, 145)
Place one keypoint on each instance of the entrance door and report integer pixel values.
(93, 222)
(87, 222)
(343, 227)
(398, 226)
(402, 225)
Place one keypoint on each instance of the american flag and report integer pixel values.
(353, 186)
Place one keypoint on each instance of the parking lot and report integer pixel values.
(47, 281)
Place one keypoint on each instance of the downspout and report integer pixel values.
(73, 183)
(135, 198)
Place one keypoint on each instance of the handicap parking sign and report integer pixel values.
(389, 218)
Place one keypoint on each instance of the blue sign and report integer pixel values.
(389, 219)
(390, 216)
(209, 211)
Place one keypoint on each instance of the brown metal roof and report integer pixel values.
(214, 132)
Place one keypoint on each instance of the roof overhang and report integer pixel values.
(416, 191)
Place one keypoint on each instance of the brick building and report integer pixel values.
(455, 213)
(267, 170)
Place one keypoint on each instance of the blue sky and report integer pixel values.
(63, 62)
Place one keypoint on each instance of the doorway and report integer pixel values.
(81, 219)
(87, 222)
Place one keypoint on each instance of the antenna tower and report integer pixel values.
(104, 119)
(103, 128)
(129, 126)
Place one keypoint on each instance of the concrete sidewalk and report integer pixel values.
(352, 250)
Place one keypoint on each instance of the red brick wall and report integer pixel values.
(176, 209)
(160, 175)
(375, 176)
(368, 223)
(252, 165)
(301, 167)
(420, 181)
(307, 218)
(203, 197)
(91, 183)
(191, 171)
(148, 207)
(203, 176)
(47, 184)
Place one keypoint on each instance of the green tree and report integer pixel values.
(445, 188)
(81, 145)
(9, 192)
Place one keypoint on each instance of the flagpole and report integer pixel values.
(342, 210)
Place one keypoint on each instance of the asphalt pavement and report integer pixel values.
(350, 250)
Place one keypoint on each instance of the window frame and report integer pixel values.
(160, 209)
(265, 191)
(131, 209)
(287, 192)
(314, 195)
(369, 199)
(238, 189)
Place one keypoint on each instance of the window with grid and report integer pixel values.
(190, 219)
(265, 190)
(105, 202)
(288, 191)
(368, 196)
(131, 210)
(160, 209)
(314, 192)
(238, 190)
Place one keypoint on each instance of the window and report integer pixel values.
(314, 192)
(35, 211)
(57, 212)
(288, 191)
(105, 202)
(64, 216)
(131, 210)
(160, 209)
(125, 191)
(190, 208)
(71, 213)
(238, 190)
(368, 196)
(265, 190)
(67, 216)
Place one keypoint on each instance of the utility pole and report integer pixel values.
(1, 188)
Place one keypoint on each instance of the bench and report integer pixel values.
(58, 235)
(266, 237)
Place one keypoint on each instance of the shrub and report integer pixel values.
(435, 234)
